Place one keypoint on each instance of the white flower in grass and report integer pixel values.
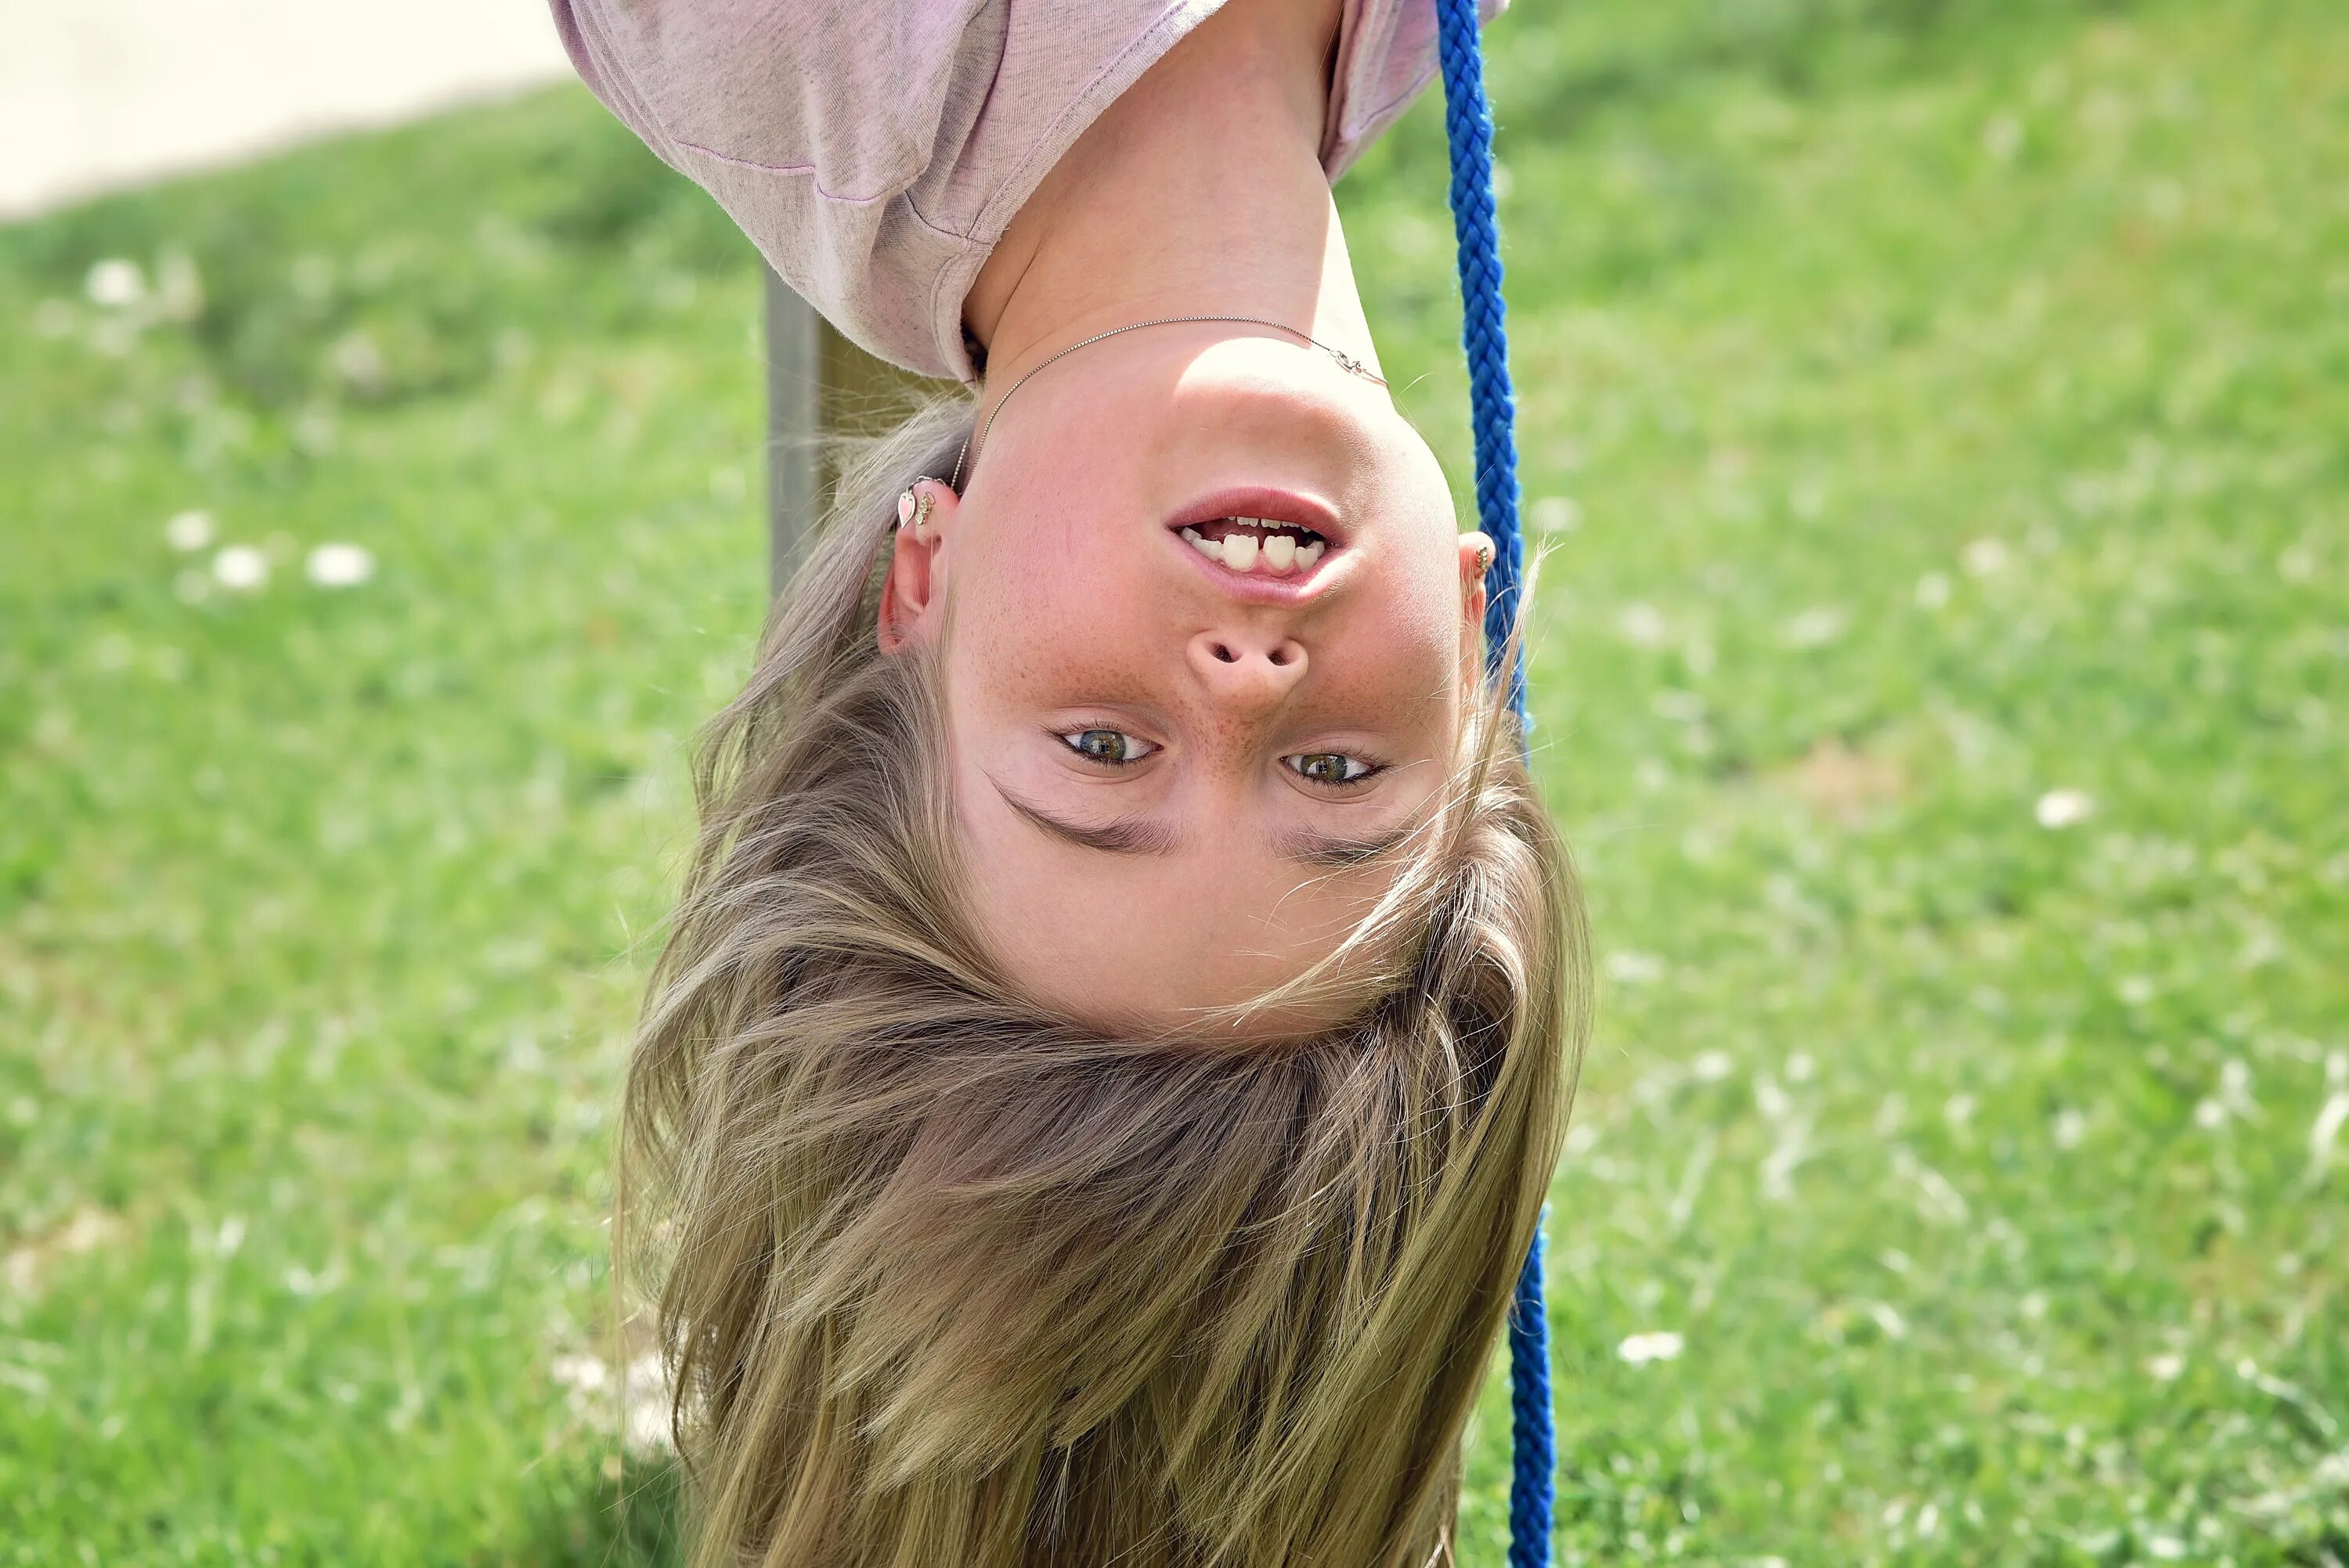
(115, 283)
(2235, 1088)
(1713, 1067)
(2166, 1367)
(241, 567)
(2060, 809)
(339, 565)
(1629, 968)
(1643, 624)
(583, 1375)
(1814, 627)
(359, 363)
(190, 530)
(1984, 556)
(1659, 1345)
(2322, 1132)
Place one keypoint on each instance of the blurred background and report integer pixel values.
(1934, 410)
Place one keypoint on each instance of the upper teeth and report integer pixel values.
(1241, 549)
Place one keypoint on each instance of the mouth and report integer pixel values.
(1256, 545)
(1268, 536)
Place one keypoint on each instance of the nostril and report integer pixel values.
(1279, 655)
(1226, 656)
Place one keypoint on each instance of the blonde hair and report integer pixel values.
(946, 1280)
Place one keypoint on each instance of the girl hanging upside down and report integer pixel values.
(1121, 1012)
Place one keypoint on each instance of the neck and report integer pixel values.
(1199, 192)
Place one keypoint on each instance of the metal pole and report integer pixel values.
(795, 417)
(818, 385)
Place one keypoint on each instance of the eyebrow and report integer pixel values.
(1140, 836)
(1338, 854)
(1133, 836)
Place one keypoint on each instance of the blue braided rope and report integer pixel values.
(1492, 406)
(1492, 403)
(1533, 1443)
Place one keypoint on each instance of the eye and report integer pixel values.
(1332, 770)
(1110, 747)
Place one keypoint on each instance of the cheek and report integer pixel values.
(1406, 663)
(1420, 619)
(1028, 630)
(1403, 679)
(1049, 559)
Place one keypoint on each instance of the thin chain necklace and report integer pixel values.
(1346, 362)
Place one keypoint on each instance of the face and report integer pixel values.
(1189, 751)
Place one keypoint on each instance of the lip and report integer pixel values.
(1270, 506)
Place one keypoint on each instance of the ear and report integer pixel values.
(1476, 555)
(912, 593)
(1476, 559)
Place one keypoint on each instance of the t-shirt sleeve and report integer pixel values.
(807, 121)
(1386, 58)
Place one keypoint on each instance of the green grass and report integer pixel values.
(1932, 407)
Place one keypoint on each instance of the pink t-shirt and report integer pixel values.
(874, 150)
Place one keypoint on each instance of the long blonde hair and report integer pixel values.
(944, 1282)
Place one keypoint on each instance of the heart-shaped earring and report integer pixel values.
(913, 509)
(913, 506)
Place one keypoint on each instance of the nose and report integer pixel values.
(1246, 670)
